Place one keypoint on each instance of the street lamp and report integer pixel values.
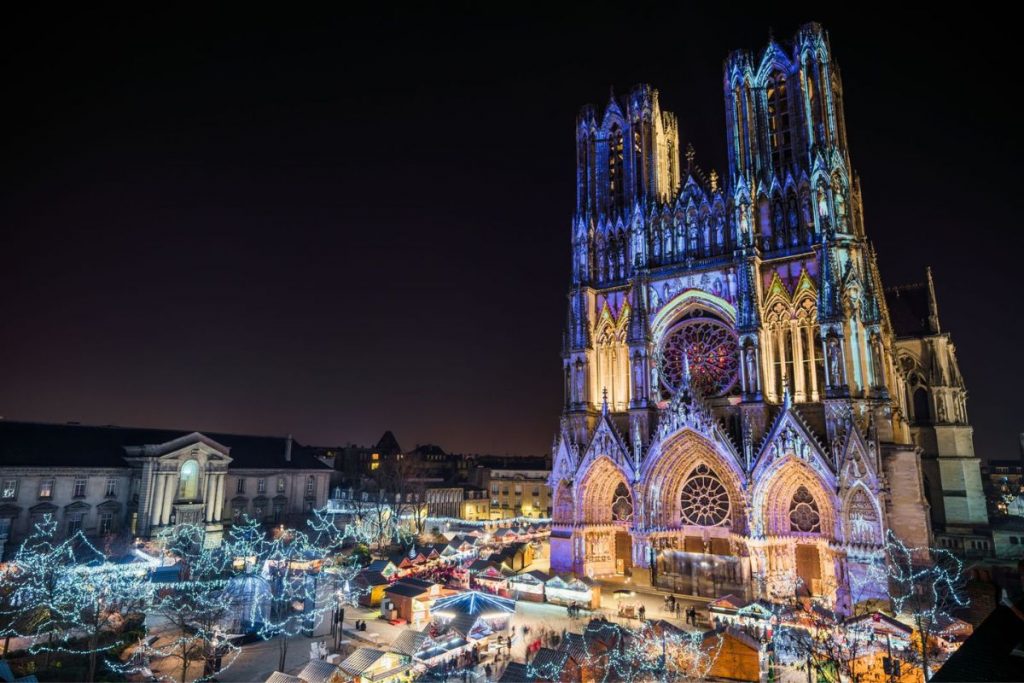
(339, 619)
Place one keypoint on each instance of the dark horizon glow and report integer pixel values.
(331, 226)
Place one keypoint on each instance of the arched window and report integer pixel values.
(779, 133)
(622, 504)
(922, 410)
(616, 168)
(188, 480)
(803, 512)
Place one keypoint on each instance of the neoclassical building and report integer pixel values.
(741, 415)
(110, 481)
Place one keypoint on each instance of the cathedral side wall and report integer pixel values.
(907, 509)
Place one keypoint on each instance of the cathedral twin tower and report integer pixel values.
(741, 415)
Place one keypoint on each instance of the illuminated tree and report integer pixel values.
(40, 601)
(98, 598)
(195, 605)
(927, 586)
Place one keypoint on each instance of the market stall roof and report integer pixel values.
(474, 602)
(318, 671)
(405, 590)
(516, 672)
(278, 677)
(408, 642)
(357, 662)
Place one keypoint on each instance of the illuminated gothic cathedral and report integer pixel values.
(741, 414)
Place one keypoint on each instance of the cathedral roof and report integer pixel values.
(908, 309)
(388, 444)
(38, 444)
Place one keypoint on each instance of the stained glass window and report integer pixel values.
(705, 502)
(622, 504)
(803, 512)
(710, 350)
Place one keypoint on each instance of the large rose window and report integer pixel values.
(705, 502)
(710, 349)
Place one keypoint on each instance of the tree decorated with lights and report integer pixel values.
(40, 601)
(70, 598)
(926, 585)
(100, 596)
(291, 588)
(195, 605)
(652, 651)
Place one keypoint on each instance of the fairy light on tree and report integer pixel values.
(927, 586)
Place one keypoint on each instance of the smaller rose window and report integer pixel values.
(705, 502)
(803, 512)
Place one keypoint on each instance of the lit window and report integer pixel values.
(282, 484)
(10, 489)
(46, 488)
(111, 488)
(188, 480)
(79, 488)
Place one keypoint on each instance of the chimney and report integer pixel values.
(288, 449)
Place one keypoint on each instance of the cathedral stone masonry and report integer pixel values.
(747, 410)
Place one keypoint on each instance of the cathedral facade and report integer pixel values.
(741, 415)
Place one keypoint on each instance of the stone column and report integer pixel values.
(218, 497)
(208, 496)
(812, 367)
(780, 340)
(169, 496)
(799, 386)
(768, 366)
(159, 482)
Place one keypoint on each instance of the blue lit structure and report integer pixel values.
(743, 400)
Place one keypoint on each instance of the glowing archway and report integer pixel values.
(597, 491)
(680, 461)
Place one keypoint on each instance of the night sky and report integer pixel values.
(331, 225)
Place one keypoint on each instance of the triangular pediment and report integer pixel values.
(788, 436)
(175, 448)
(606, 442)
(857, 461)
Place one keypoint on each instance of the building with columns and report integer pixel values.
(743, 411)
(117, 481)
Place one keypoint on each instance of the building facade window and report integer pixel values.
(10, 489)
(310, 485)
(282, 484)
(111, 488)
(46, 488)
(106, 523)
(240, 486)
(188, 480)
(261, 486)
(75, 522)
(80, 483)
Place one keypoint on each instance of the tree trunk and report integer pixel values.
(184, 662)
(283, 640)
(7, 645)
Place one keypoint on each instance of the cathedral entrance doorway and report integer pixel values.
(623, 553)
(808, 569)
(694, 566)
